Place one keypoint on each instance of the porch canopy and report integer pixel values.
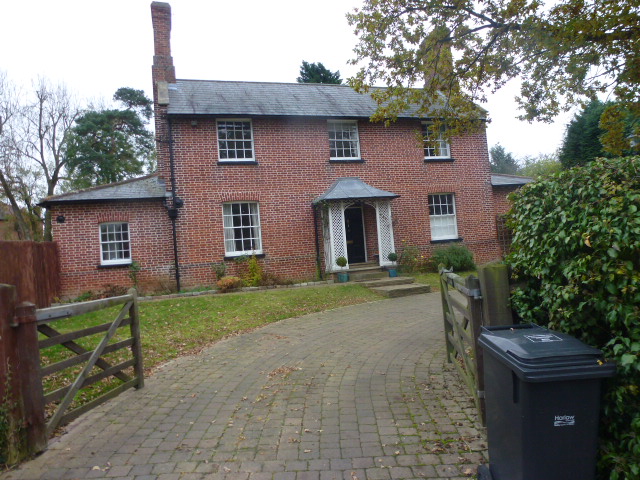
(352, 188)
(343, 193)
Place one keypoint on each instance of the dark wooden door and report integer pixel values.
(354, 228)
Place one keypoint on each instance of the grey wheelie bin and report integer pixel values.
(542, 391)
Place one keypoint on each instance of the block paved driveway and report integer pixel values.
(361, 392)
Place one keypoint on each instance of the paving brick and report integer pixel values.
(355, 422)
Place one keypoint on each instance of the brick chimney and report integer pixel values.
(163, 69)
(162, 73)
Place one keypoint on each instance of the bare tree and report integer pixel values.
(33, 160)
(10, 168)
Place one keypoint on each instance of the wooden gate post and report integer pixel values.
(21, 399)
(494, 284)
(475, 312)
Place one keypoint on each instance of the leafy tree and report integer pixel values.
(110, 145)
(576, 251)
(563, 51)
(581, 143)
(503, 161)
(542, 166)
(318, 73)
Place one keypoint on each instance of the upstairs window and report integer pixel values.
(442, 213)
(115, 245)
(241, 228)
(435, 146)
(343, 140)
(235, 140)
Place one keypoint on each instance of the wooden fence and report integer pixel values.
(33, 267)
(467, 305)
(24, 333)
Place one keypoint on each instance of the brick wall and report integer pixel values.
(293, 168)
(78, 240)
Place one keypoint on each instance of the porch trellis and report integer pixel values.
(334, 230)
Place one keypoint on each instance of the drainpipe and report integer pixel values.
(175, 204)
(315, 230)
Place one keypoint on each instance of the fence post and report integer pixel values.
(22, 399)
(136, 348)
(475, 312)
(494, 284)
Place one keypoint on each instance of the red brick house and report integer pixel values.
(295, 174)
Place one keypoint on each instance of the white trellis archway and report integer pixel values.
(344, 193)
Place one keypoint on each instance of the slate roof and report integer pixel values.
(501, 180)
(350, 188)
(149, 187)
(214, 97)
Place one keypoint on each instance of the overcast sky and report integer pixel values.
(95, 47)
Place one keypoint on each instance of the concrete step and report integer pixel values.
(387, 280)
(367, 275)
(364, 267)
(393, 291)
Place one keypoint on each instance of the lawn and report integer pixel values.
(181, 326)
(433, 278)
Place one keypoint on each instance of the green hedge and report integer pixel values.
(576, 246)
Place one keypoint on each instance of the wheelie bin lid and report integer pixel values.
(537, 354)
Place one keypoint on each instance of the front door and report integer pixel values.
(354, 229)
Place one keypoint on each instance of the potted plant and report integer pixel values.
(342, 276)
(393, 257)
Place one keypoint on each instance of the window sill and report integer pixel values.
(438, 160)
(448, 240)
(114, 265)
(247, 255)
(237, 162)
(346, 160)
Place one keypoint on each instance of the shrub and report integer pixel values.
(220, 269)
(409, 258)
(341, 262)
(134, 270)
(576, 247)
(226, 284)
(254, 272)
(393, 256)
(456, 257)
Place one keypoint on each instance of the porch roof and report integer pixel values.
(352, 188)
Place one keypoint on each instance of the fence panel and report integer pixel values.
(33, 268)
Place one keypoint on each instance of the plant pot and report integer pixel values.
(343, 277)
(393, 272)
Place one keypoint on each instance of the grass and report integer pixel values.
(181, 326)
(433, 278)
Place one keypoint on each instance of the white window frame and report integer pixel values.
(439, 148)
(122, 255)
(438, 220)
(221, 151)
(333, 130)
(249, 220)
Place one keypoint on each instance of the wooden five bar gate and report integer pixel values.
(467, 305)
(24, 333)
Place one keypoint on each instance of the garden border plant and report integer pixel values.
(576, 248)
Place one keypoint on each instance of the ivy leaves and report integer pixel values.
(577, 247)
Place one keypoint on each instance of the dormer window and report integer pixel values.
(235, 140)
